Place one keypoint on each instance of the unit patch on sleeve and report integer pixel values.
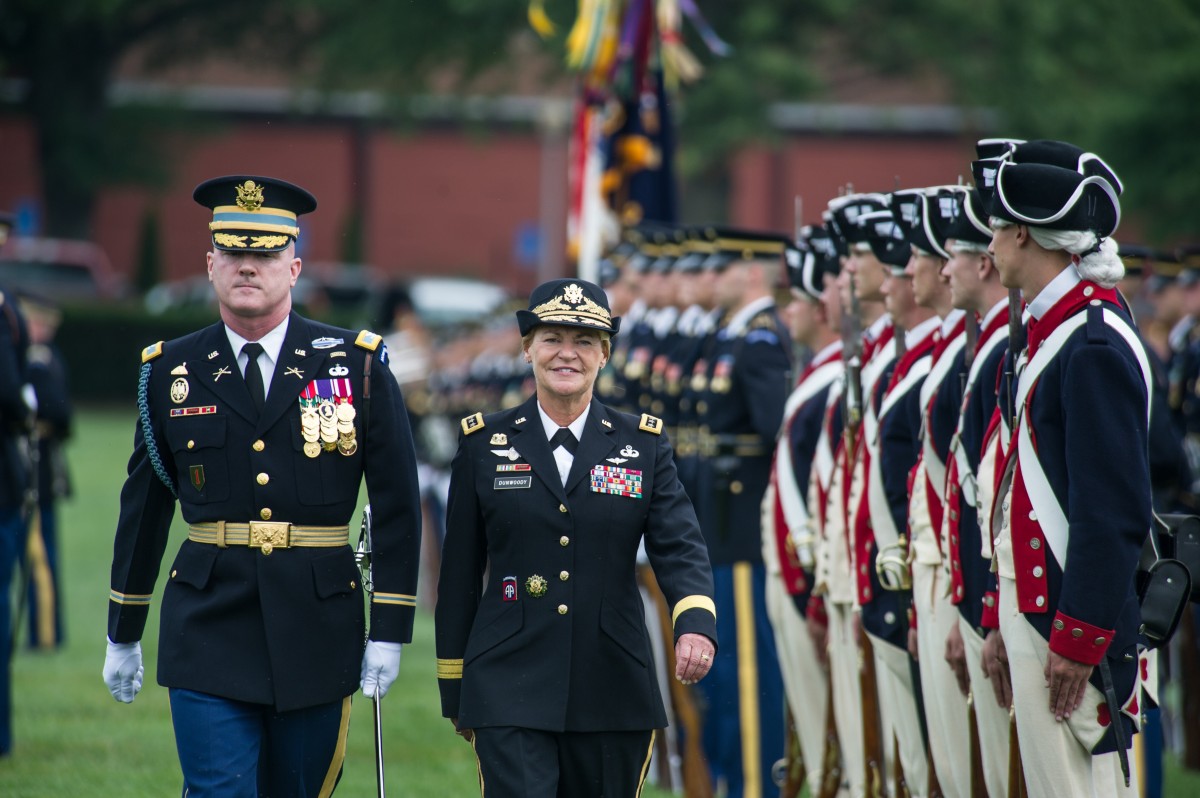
(617, 481)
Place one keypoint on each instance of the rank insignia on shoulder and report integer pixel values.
(651, 424)
(472, 423)
(152, 351)
(499, 439)
(327, 343)
(368, 340)
(180, 370)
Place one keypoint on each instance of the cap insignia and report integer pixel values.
(573, 294)
(249, 196)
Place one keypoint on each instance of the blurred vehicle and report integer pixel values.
(447, 301)
(60, 269)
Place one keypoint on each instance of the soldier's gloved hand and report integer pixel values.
(123, 670)
(380, 667)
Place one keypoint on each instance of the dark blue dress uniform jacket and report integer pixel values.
(284, 628)
(577, 658)
(14, 413)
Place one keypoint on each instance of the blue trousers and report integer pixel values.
(11, 539)
(529, 763)
(232, 749)
(743, 738)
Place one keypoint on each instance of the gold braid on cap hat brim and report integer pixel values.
(586, 312)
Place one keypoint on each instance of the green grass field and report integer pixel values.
(73, 739)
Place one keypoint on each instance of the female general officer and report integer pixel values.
(544, 661)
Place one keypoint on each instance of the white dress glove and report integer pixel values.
(380, 667)
(123, 670)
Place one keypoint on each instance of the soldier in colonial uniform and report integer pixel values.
(975, 287)
(546, 666)
(262, 428)
(1070, 523)
(787, 522)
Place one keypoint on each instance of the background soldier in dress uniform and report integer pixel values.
(263, 426)
(16, 415)
(740, 410)
(48, 376)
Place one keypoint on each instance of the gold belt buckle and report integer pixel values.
(269, 535)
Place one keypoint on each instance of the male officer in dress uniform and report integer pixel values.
(740, 411)
(787, 535)
(16, 415)
(48, 376)
(1070, 523)
(262, 426)
(975, 287)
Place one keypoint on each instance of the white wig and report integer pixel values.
(1098, 260)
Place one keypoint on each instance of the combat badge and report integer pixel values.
(179, 391)
(629, 451)
(327, 343)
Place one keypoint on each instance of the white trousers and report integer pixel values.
(898, 714)
(847, 694)
(990, 718)
(803, 679)
(1055, 761)
(945, 706)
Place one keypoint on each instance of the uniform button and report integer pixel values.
(1004, 506)
(990, 601)
(958, 592)
(564, 540)
(562, 508)
(1076, 632)
(265, 513)
(735, 487)
(191, 444)
(1100, 641)
(258, 446)
(1035, 544)
(563, 575)
(263, 478)
(1032, 515)
(863, 568)
(1058, 624)
(889, 617)
(1095, 303)
(1040, 601)
(562, 609)
(867, 594)
(173, 573)
(1037, 571)
(1088, 290)
(353, 584)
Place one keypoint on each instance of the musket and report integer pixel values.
(362, 557)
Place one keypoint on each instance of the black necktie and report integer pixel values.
(254, 378)
(566, 439)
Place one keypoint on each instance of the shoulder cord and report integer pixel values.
(148, 430)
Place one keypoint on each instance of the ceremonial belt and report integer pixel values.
(750, 445)
(268, 535)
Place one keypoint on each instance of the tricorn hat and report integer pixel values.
(1055, 198)
(970, 222)
(887, 239)
(571, 302)
(252, 213)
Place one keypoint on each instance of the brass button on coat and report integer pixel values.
(564, 576)
(265, 513)
(564, 540)
(562, 508)
(562, 609)
(258, 446)
(263, 478)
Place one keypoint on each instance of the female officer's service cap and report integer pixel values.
(252, 213)
(1048, 196)
(731, 245)
(570, 302)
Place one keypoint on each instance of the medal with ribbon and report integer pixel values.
(327, 416)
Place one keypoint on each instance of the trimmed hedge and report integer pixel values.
(102, 345)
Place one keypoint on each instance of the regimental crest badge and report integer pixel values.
(499, 439)
(249, 196)
(573, 294)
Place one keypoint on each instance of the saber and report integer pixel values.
(362, 557)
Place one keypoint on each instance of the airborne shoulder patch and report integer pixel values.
(152, 351)
(368, 340)
(472, 423)
(651, 423)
